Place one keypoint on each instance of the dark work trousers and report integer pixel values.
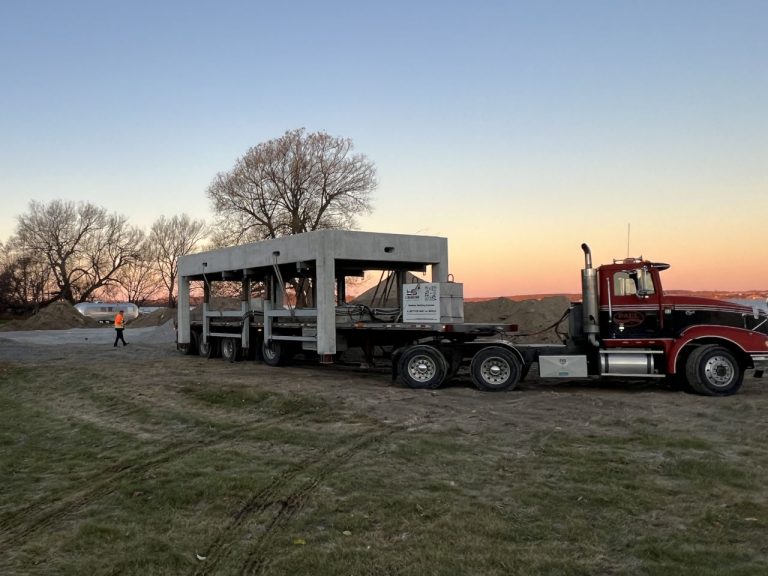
(119, 336)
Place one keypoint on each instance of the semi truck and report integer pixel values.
(293, 300)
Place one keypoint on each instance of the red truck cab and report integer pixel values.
(705, 344)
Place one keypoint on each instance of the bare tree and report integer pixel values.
(24, 278)
(141, 282)
(169, 239)
(296, 183)
(84, 246)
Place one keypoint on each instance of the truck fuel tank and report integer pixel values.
(629, 363)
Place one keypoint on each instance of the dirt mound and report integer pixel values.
(156, 318)
(58, 315)
(384, 294)
(216, 303)
(529, 315)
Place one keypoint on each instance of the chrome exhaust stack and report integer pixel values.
(590, 306)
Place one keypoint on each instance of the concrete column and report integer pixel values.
(440, 269)
(182, 311)
(245, 308)
(326, 302)
(206, 302)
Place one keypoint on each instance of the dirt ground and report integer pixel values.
(151, 365)
(513, 459)
(60, 335)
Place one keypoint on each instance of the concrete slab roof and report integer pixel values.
(347, 249)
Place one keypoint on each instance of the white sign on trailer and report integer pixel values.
(421, 302)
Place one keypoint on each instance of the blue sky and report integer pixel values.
(516, 129)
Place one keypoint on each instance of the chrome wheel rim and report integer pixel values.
(422, 368)
(495, 371)
(718, 371)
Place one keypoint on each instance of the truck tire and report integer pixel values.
(231, 349)
(273, 353)
(208, 349)
(422, 367)
(495, 369)
(712, 370)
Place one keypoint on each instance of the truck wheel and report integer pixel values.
(273, 353)
(230, 349)
(208, 349)
(712, 370)
(422, 367)
(495, 369)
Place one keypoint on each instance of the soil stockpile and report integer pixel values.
(58, 315)
(156, 318)
(531, 316)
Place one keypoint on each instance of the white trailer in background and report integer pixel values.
(424, 333)
(106, 311)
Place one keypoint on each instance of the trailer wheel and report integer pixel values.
(208, 349)
(273, 353)
(712, 370)
(495, 369)
(422, 367)
(231, 349)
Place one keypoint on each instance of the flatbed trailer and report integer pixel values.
(274, 326)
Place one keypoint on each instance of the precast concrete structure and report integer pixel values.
(325, 256)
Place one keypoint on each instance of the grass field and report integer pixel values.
(212, 468)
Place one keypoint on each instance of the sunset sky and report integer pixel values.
(518, 130)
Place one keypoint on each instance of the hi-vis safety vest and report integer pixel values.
(119, 321)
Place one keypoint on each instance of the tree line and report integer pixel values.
(78, 252)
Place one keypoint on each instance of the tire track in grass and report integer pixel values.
(43, 514)
(280, 502)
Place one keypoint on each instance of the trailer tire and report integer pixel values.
(422, 367)
(495, 369)
(712, 370)
(208, 349)
(273, 353)
(231, 349)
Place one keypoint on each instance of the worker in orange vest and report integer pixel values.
(119, 327)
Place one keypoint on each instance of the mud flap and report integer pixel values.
(395, 362)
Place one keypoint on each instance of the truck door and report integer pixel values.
(630, 304)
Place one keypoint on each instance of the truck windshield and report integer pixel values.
(629, 282)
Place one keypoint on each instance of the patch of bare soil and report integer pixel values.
(59, 315)
(156, 318)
